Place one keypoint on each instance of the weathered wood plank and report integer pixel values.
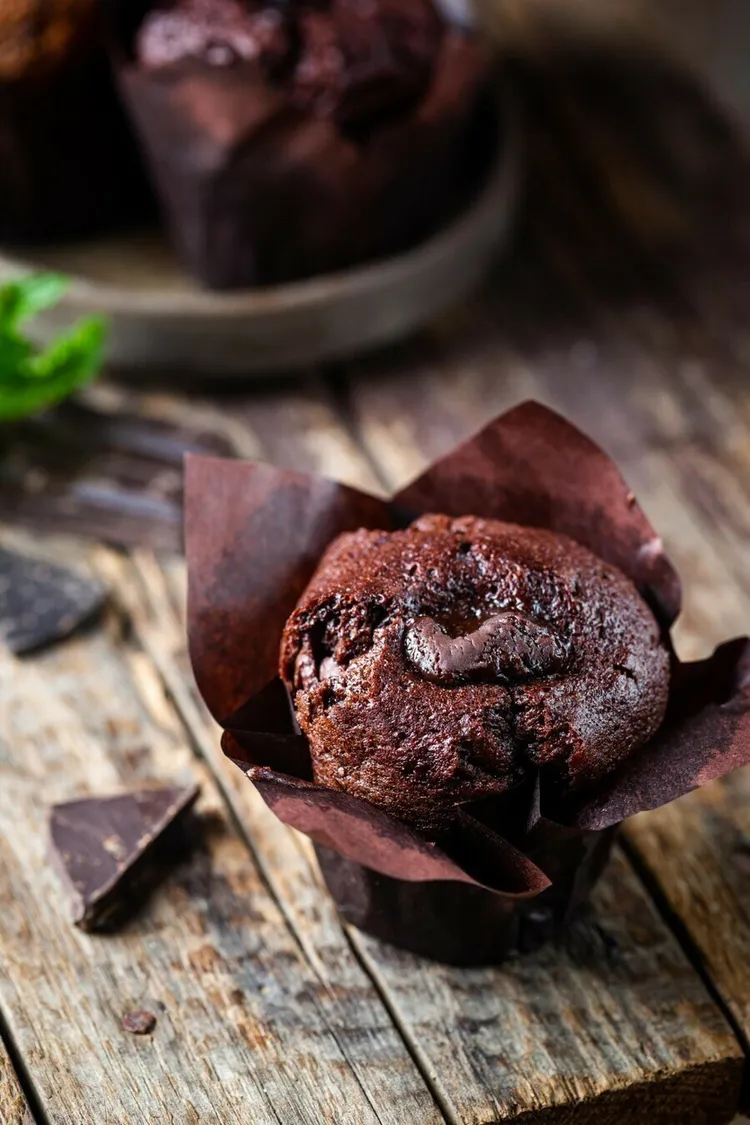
(246, 1028)
(697, 849)
(109, 467)
(14, 1109)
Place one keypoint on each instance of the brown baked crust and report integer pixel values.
(438, 665)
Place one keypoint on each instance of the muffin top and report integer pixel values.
(37, 36)
(350, 60)
(442, 664)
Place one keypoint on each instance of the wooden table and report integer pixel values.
(626, 305)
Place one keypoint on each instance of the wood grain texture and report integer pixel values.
(109, 466)
(246, 1028)
(14, 1109)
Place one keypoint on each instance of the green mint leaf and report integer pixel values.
(20, 300)
(14, 354)
(31, 379)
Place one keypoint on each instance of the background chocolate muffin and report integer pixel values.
(293, 139)
(440, 664)
(68, 164)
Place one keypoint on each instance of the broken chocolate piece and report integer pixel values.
(41, 603)
(109, 851)
(507, 646)
(139, 1022)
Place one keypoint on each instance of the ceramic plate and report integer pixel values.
(161, 319)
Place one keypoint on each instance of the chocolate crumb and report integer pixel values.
(139, 1022)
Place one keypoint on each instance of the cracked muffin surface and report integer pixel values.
(440, 664)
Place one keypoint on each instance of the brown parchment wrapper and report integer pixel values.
(257, 191)
(510, 871)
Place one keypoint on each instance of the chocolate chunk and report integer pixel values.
(507, 647)
(139, 1022)
(41, 603)
(110, 851)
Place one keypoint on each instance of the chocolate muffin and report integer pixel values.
(68, 164)
(445, 663)
(295, 138)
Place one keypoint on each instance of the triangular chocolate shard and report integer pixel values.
(110, 851)
(41, 603)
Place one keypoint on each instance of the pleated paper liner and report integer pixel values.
(510, 872)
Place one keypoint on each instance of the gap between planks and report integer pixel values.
(14, 1086)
